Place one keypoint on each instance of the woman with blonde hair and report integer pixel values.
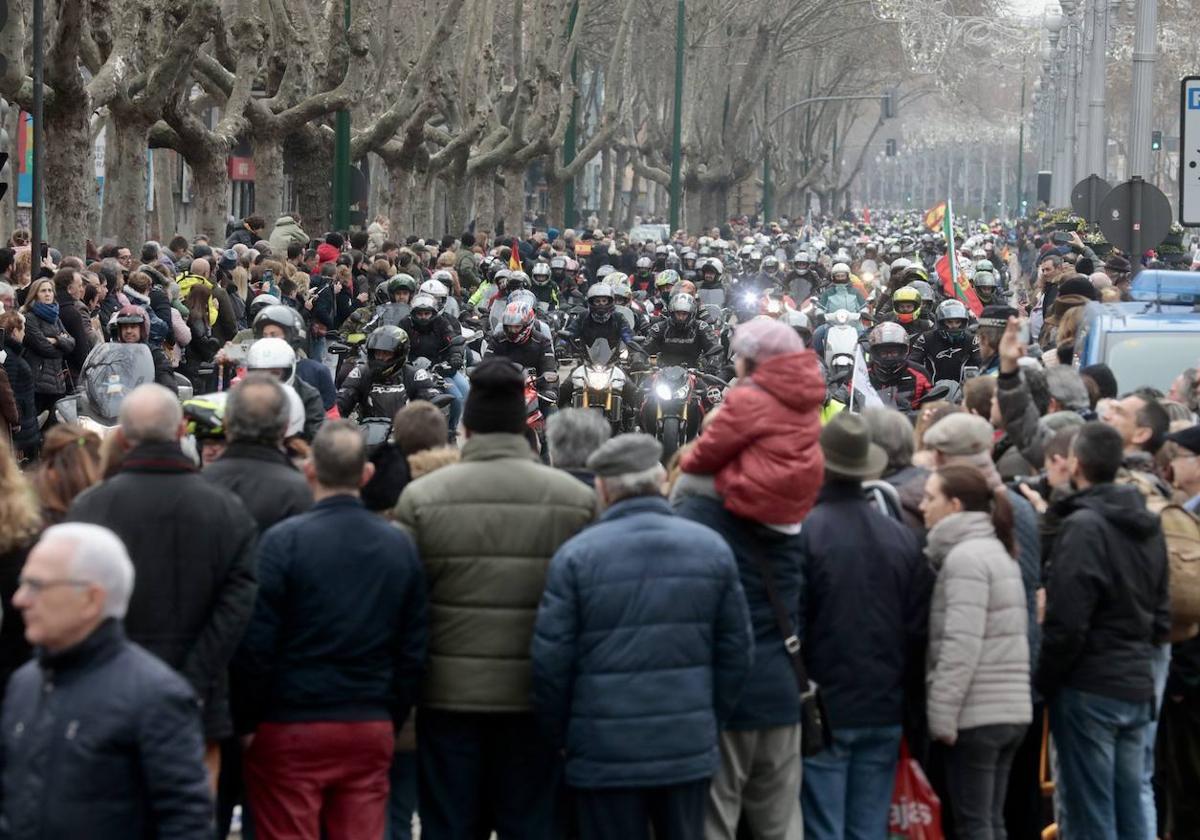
(47, 344)
(70, 464)
(20, 524)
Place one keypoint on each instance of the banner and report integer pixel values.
(861, 383)
(955, 283)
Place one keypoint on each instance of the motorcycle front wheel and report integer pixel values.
(670, 436)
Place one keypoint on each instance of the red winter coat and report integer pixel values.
(762, 445)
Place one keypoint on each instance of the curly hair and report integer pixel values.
(20, 519)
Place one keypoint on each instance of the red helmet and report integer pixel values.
(517, 322)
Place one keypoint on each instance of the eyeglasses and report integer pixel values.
(37, 587)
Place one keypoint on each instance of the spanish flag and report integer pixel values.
(514, 258)
(955, 282)
(934, 217)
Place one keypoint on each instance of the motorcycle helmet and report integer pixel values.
(401, 283)
(770, 265)
(952, 320)
(898, 266)
(673, 262)
(603, 271)
(444, 277)
(558, 269)
(518, 321)
(686, 287)
(645, 266)
(541, 274)
(516, 280)
(889, 348)
(259, 302)
(424, 310)
(799, 322)
(683, 309)
(500, 278)
(926, 290)
(438, 290)
(906, 303)
(286, 319)
(916, 271)
(802, 261)
(523, 296)
(622, 292)
(600, 302)
(744, 253)
(387, 351)
(665, 280)
(129, 316)
(840, 273)
(985, 286)
(205, 416)
(689, 259)
(273, 355)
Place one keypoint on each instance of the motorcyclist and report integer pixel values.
(898, 381)
(544, 287)
(643, 275)
(558, 273)
(985, 285)
(631, 310)
(400, 290)
(682, 338)
(384, 383)
(804, 279)
(906, 311)
(664, 282)
(438, 338)
(599, 322)
(840, 283)
(520, 341)
(282, 321)
(839, 344)
(131, 325)
(687, 263)
(440, 292)
(275, 356)
(950, 347)
(661, 254)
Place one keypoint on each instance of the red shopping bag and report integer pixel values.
(916, 812)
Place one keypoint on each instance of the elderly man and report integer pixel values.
(572, 435)
(101, 739)
(641, 646)
(253, 465)
(192, 545)
(332, 654)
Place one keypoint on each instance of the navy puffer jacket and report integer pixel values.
(641, 648)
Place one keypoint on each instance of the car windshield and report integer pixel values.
(1150, 359)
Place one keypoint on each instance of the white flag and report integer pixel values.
(861, 383)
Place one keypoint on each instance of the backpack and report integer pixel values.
(1181, 529)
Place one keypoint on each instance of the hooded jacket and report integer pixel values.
(762, 445)
(287, 231)
(1107, 604)
(978, 664)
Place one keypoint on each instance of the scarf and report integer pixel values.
(46, 311)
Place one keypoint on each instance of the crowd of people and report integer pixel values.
(239, 608)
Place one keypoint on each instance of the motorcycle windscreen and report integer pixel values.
(600, 352)
(111, 372)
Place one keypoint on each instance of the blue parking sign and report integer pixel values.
(1193, 102)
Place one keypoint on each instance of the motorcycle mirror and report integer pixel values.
(68, 409)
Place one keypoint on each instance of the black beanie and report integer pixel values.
(1078, 285)
(496, 401)
(1103, 376)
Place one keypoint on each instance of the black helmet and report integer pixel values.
(387, 339)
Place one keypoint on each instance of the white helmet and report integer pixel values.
(295, 423)
(437, 289)
(273, 354)
(713, 263)
(840, 268)
(443, 276)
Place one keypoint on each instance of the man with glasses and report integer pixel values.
(101, 739)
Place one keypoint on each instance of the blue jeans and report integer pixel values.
(846, 790)
(1101, 743)
(1161, 666)
(457, 386)
(402, 798)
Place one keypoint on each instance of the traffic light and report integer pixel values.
(890, 148)
(1155, 141)
(888, 105)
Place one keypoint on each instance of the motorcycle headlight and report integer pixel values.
(663, 391)
(681, 392)
(598, 380)
(749, 298)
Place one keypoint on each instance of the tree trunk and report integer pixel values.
(631, 208)
(693, 210)
(69, 174)
(458, 205)
(313, 198)
(513, 210)
(485, 205)
(164, 194)
(210, 194)
(8, 204)
(400, 212)
(557, 214)
(268, 178)
(378, 199)
(423, 181)
(604, 205)
(125, 188)
(618, 183)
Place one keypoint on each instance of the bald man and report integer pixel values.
(192, 544)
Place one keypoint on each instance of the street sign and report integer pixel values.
(1189, 151)
(1087, 195)
(1122, 223)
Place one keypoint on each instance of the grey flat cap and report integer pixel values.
(624, 454)
(960, 434)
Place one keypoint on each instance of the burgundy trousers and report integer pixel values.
(302, 778)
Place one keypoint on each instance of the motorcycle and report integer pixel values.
(675, 405)
(598, 383)
(110, 372)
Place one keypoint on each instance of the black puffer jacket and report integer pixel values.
(47, 361)
(73, 318)
(20, 378)
(103, 741)
(192, 546)
(1106, 598)
(264, 479)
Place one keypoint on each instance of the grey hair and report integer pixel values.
(257, 411)
(573, 434)
(646, 482)
(100, 558)
(893, 433)
(6, 290)
(1066, 386)
(339, 454)
(150, 414)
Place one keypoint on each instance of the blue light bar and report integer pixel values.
(1162, 286)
